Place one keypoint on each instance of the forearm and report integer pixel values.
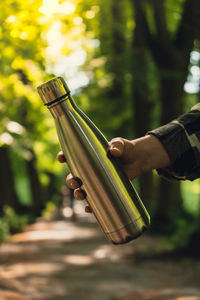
(153, 154)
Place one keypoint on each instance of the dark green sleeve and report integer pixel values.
(181, 139)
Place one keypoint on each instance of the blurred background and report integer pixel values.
(131, 66)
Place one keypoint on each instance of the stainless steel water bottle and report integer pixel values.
(113, 199)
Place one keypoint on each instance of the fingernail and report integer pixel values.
(88, 209)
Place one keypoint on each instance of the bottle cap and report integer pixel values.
(53, 90)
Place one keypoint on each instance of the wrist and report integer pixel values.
(158, 156)
(151, 153)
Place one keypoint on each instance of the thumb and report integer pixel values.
(116, 147)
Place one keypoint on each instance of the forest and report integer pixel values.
(131, 66)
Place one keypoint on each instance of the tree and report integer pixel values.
(8, 193)
(23, 123)
(171, 53)
(141, 97)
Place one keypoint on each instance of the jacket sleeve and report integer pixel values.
(181, 139)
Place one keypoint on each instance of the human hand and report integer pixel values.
(136, 157)
(74, 183)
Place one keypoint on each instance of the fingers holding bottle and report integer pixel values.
(80, 194)
(74, 183)
(60, 157)
(116, 147)
(123, 149)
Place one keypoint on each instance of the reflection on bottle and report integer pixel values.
(113, 199)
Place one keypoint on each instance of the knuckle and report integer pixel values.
(116, 140)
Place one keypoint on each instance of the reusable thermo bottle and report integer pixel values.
(111, 196)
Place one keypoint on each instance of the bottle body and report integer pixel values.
(113, 199)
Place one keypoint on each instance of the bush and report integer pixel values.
(4, 230)
(12, 221)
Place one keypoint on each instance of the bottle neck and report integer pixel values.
(59, 106)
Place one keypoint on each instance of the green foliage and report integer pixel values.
(180, 241)
(184, 229)
(191, 196)
(15, 223)
(49, 210)
(22, 183)
(11, 223)
(4, 230)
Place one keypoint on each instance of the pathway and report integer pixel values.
(61, 260)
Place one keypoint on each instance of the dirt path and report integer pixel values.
(65, 260)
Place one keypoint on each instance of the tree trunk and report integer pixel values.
(112, 100)
(117, 65)
(142, 104)
(7, 187)
(172, 95)
(36, 189)
(169, 202)
(142, 109)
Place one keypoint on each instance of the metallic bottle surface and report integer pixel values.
(113, 199)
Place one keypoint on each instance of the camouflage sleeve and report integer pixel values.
(181, 139)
